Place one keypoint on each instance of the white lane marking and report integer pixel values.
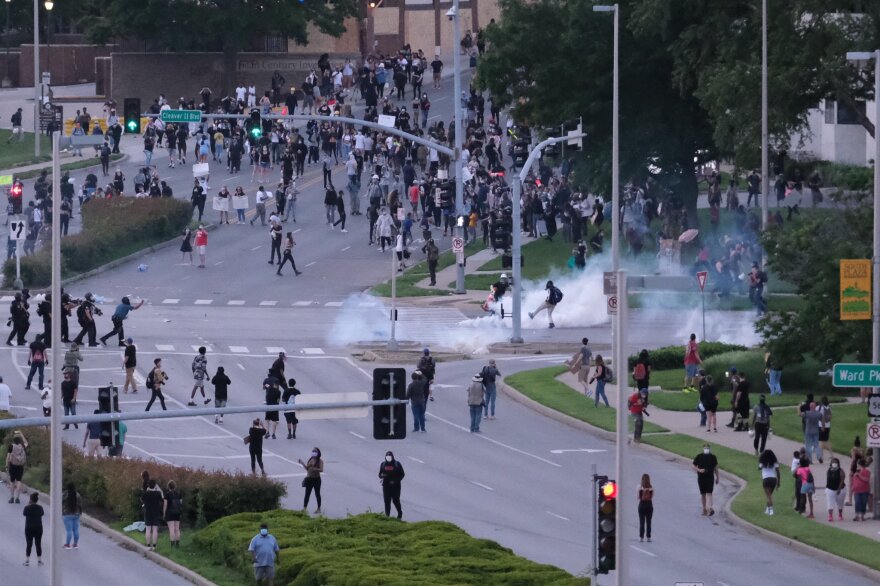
(416, 460)
(481, 485)
(99, 369)
(311, 263)
(204, 301)
(357, 435)
(301, 303)
(154, 456)
(297, 230)
(496, 442)
(170, 301)
(344, 249)
(257, 247)
(219, 262)
(240, 365)
(552, 514)
(235, 302)
(312, 351)
(587, 450)
(293, 475)
(239, 349)
(196, 347)
(353, 364)
(204, 456)
(7, 298)
(275, 349)
(164, 347)
(268, 303)
(333, 304)
(722, 583)
(653, 555)
(174, 439)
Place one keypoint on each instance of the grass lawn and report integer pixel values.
(540, 258)
(847, 422)
(750, 503)
(18, 154)
(359, 549)
(541, 385)
(678, 401)
(406, 282)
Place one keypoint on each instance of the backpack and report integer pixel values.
(762, 414)
(555, 295)
(640, 372)
(609, 374)
(17, 457)
(150, 380)
(81, 313)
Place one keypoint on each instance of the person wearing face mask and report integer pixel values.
(706, 467)
(265, 553)
(835, 489)
(391, 472)
(314, 467)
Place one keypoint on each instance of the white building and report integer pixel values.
(834, 134)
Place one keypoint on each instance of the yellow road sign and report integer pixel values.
(855, 289)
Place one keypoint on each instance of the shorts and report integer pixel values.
(15, 473)
(583, 374)
(199, 382)
(201, 248)
(807, 488)
(824, 434)
(219, 403)
(264, 572)
(706, 483)
(264, 164)
(691, 370)
(271, 416)
(769, 483)
(290, 417)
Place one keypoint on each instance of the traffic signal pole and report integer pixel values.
(55, 470)
(621, 365)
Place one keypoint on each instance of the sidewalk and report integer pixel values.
(687, 423)
(450, 273)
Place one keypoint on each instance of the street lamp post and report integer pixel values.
(6, 81)
(456, 105)
(37, 104)
(615, 140)
(875, 257)
(49, 4)
(765, 159)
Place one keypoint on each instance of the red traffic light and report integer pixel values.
(609, 490)
(16, 190)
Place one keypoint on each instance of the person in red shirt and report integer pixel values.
(692, 362)
(202, 244)
(638, 402)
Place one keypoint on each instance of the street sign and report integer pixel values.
(609, 283)
(459, 257)
(457, 244)
(701, 279)
(5, 179)
(17, 230)
(856, 375)
(873, 435)
(855, 289)
(874, 406)
(181, 116)
(611, 305)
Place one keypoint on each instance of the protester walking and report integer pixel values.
(417, 395)
(489, 373)
(760, 424)
(129, 363)
(289, 398)
(289, 243)
(254, 441)
(692, 362)
(155, 381)
(861, 489)
(824, 409)
(638, 403)
(312, 482)
(771, 480)
(580, 364)
(69, 392)
(221, 384)
(71, 511)
(812, 420)
(391, 474)
(709, 400)
(706, 467)
(808, 486)
(265, 553)
(646, 507)
(601, 377)
(16, 460)
(475, 402)
(202, 245)
(200, 374)
(33, 529)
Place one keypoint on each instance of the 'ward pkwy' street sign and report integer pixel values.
(856, 375)
(181, 116)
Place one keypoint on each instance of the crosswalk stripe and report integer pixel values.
(196, 347)
(268, 303)
(235, 302)
(239, 349)
(333, 304)
(7, 298)
(301, 303)
(312, 351)
(164, 347)
(275, 349)
(204, 301)
(170, 301)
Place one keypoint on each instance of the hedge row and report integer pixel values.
(112, 228)
(112, 486)
(372, 549)
(670, 357)
(801, 377)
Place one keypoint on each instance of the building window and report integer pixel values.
(846, 115)
(830, 111)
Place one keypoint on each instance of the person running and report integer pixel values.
(835, 481)
(129, 363)
(171, 511)
(119, 316)
(808, 487)
(154, 503)
(71, 511)
(692, 362)
(200, 373)
(313, 467)
(391, 472)
(33, 529)
(254, 440)
(221, 384)
(289, 398)
(646, 507)
(16, 459)
(155, 381)
(554, 296)
(761, 423)
(706, 467)
(289, 243)
(601, 377)
(770, 477)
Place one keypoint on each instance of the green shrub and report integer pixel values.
(802, 377)
(112, 228)
(370, 550)
(113, 485)
(669, 357)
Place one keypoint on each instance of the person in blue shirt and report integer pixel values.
(119, 316)
(265, 553)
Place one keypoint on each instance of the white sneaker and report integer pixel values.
(770, 512)
(344, 231)
(766, 510)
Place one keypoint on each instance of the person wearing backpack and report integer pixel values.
(489, 374)
(16, 458)
(808, 486)
(603, 375)
(155, 380)
(692, 361)
(37, 362)
(761, 424)
(554, 296)
(171, 511)
(428, 366)
(200, 374)
(642, 370)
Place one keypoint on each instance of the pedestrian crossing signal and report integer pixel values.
(132, 115)
(389, 421)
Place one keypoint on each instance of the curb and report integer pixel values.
(130, 544)
(728, 513)
(37, 167)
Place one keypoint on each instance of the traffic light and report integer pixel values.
(15, 193)
(606, 525)
(132, 111)
(552, 150)
(256, 123)
(108, 402)
(389, 383)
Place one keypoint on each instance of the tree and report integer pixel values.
(228, 26)
(808, 255)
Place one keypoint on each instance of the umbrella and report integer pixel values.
(688, 235)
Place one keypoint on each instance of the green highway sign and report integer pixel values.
(856, 375)
(181, 116)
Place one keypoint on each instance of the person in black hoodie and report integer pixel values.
(221, 384)
(391, 472)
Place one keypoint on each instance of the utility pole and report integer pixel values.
(456, 104)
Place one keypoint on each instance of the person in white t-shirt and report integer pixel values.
(240, 93)
(5, 395)
(770, 478)
(252, 96)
